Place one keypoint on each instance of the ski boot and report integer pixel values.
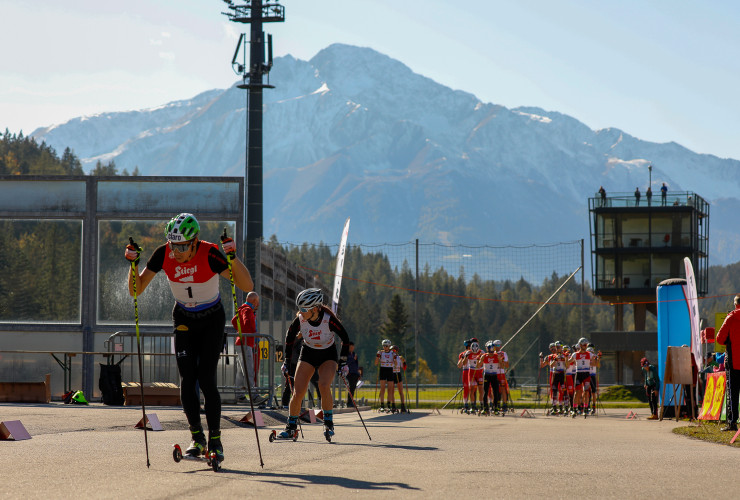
(403, 408)
(328, 425)
(198, 444)
(393, 408)
(381, 408)
(215, 446)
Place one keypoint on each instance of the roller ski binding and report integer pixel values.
(290, 433)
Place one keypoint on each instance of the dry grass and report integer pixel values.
(708, 431)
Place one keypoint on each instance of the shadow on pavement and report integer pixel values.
(294, 480)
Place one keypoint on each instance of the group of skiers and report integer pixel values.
(391, 366)
(484, 377)
(572, 378)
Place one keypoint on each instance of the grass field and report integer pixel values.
(437, 396)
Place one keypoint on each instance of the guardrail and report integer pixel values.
(158, 368)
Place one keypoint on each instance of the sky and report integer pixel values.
(658, 70)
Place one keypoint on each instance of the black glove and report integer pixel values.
(342, 366)
(285, 368)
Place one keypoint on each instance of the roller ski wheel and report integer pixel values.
(283, 436)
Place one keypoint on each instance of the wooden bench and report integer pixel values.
(155, 393)
(26, 392)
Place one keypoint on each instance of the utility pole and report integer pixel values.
(255, 13)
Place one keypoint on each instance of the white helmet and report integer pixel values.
(496, 343)
(308, 298)
(489, 344)
(474, 347)
(582, 340)
(386, 342)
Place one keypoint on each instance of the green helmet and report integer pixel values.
(182, 228)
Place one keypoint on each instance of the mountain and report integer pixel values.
(355, 133)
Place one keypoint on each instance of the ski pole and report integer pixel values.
(537, 399)
(453, 397)
(138, 347)
(341, 375)
(229, 258)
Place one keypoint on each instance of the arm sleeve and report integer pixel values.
(217, 260)
(290, 337)
(336, 326)
(156, 261)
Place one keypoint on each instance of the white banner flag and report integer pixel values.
(340, 268)
(692, 301)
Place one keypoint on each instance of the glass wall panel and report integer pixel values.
(115, 305)
(56, 196)
(168, 197)
(40, 271)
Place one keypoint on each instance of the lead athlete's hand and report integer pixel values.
(343, 369)
(229, 247)
(284, 368)
(133, 253)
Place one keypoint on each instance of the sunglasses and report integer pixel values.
(181, 247)
(305, 309)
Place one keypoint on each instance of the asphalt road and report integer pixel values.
(94, 452)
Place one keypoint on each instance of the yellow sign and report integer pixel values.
(264, 349)
(714, 397)
(719, 318)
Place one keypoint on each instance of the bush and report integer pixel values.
(624, 393)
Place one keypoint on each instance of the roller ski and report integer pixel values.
(199, 450)
(290, 432)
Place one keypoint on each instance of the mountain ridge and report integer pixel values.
(353, 132)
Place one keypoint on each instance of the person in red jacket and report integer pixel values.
(248, 320)
(729, 335)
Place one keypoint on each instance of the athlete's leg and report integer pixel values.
(326, 376)
(187, 366)
(207, 377)
(303, 373)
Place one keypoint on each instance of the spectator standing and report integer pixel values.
(354, 373)
(729, 336)
(651, 382)
(649, 195)
(602, 193)
(637, 196)
(663, 193)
